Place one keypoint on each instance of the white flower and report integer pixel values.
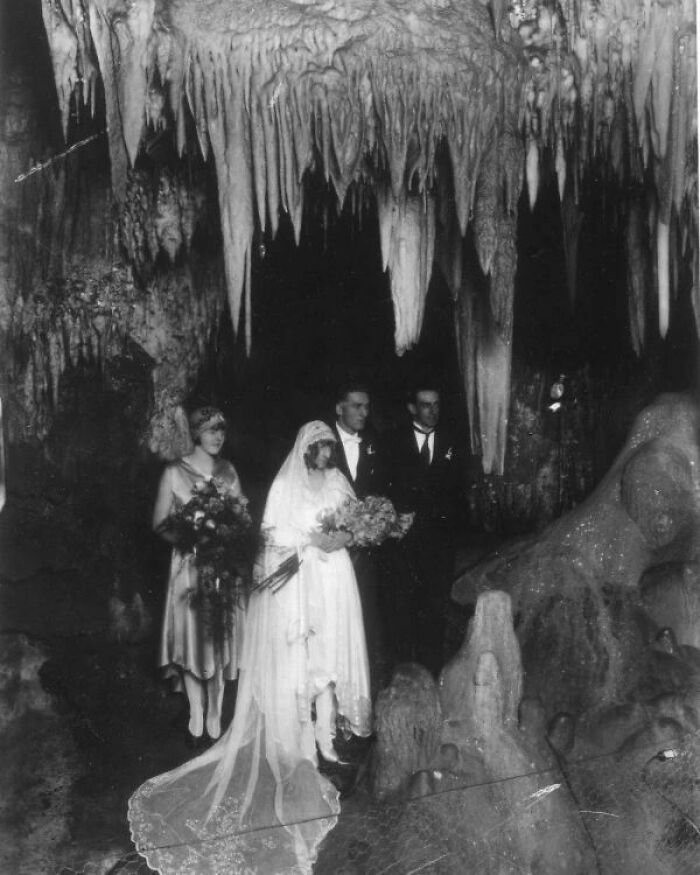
(369, 450)
(449, 454)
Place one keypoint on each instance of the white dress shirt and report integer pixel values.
(351, 448)
(419, 436)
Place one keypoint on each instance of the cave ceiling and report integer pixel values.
(442, 110)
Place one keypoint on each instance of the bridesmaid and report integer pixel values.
(187, 652)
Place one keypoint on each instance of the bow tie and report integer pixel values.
(350, 438)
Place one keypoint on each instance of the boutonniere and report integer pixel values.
(369, 449)
(449, 454)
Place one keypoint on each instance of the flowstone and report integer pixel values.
(575, 588)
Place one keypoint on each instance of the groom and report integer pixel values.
(360, 460)
(358, 456)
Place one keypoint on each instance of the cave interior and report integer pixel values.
(210, 202)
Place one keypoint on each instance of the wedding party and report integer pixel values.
(349, 437)
(286, 621)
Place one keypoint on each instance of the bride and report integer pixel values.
(256, 803)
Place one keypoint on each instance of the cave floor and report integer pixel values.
(84, 720)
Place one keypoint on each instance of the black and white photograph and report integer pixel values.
(349, 437)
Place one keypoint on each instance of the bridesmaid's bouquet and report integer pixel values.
(215, 527)
(370, 521)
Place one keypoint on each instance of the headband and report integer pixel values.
(204, 418)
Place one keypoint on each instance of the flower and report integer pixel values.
(449, 454)
(370, 521)
(369, 450)
(215, 529)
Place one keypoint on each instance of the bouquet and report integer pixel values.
(370, 521)
(215, 527)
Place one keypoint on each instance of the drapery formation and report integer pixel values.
(614, 84)
(441, 107)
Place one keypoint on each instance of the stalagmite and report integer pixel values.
(407, 237)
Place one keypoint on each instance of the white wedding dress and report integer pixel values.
(255, 803)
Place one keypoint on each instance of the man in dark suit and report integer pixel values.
(425, 479)
(358, 455)
(359, 458)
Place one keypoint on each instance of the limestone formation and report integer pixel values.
(490, 798)
(438, 105)
(575, 587)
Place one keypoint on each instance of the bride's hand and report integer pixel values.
(323, 541)
(330, 541)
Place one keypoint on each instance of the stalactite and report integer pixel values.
(279, 90)
(448, 253)
(100, 32)
(346, 127)
(458, 142)
(132, 34)
(502, 282)
(560, 167)
(407, 238)
(571, 222)
(532, 172)
(465, 334)
(635, 249)
(63, 44)
(493, 359)
(663, 277)
(486, 209)
(233, 162)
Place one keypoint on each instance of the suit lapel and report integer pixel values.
(412, 448)
(342, 460)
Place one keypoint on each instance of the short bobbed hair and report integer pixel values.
(311, 454)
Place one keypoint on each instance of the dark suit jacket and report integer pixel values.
(433, 492)
(371, 476)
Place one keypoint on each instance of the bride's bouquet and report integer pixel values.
(370, 521)
(215, 527)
